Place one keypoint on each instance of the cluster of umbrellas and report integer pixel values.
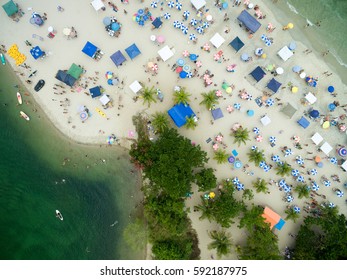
(239, 186)
(207, 79)
(153, 66)
(111, 24)
(183, 69)
(265, 166)
(283, 184)
(179, 25)
(16, 54)
(245, 96)
(111, 79)
(217, 56)
(36, 19)
(227, 87)
(141, 17)
(231, 68)
(110, 139)
(171, 4)
(311, 81)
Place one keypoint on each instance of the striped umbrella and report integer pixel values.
(282, 183)
(289, 198)
(331, 205)
(167, 15)
(184, 29)
(300, 160)
(171, 4)
(177, 24)
(275, 158)
(339, 193)
(240, 187)
(154, 4)
(295, 172)
(288, 152)
(327, 183)
(186, 14)
(198, 63)
(272, 139)
(237, 106)
(189, 75)
(287, 189)
(178, 6)
(185, 53)
(256, 130)
(296, 209)
(254, 148)
(300, 179)
(333, 160)
(200, 29)
(259, 138)
(193, 22)
(270, 102)
(315, 186)
(262, 164)
(313, 171)
(296, 138)
(266, 168)
(236, 180)
(192, 36)
(205, 24)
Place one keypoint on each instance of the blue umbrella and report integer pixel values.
(289, 198)
(180, 62)
(199, 29)
(331, 89)
(333, 160)
(282, 183)
(327, 183)
(184, 29)
(266, 168)
(315, 186)
(272, 139)
(296, 68)
(236, 180)
(109, 81)
(167, 16)
(339, 193)
(237, 164)
(171, 4)
(186, 68)
(115, 26)
(270, 102)
(141, 22)
(295, 172)
(177, 24)
(332, 106)
(314, 114)
(186, 14)
(256, 130)
(193, 22)
(262, 164)
(193, 57)
(292, 46)
(192, 36)
(300, 160)
(320, 164)
(106, 21)
(231, 159)
(254, 148)
(288, 152)
(314, 171)
(183, 74)
(178, 6)
(205, 24)
(140, 12)
(189, 74)
(154, 4)
(237, 106)
(225, 5)
(300, 179)
(296, 209)
(244, 56)
(287, 189)
(250, 113)
(240, 187)
(331, 205)
(275, 158)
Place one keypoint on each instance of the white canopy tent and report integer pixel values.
(97, 5)
(317, 138)
(311, 98)
(265, 120)
(285, 53)
(104, 99)
(198, 4)
(344, 165)
(165, 53)
(326, 148)
(217, 40)
(135, 86)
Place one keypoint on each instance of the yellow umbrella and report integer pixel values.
(326, 124)
(150, 64)
(295, 89)
(212, 195)
(290, 25)
(263, 55)
(228, 90)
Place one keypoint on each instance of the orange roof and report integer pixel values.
(271, 217)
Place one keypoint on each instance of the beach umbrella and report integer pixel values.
(186, 14)
(167, 15)
(228, 90)
(200, 29)
(237, 164)
(258, 51)
(230, 108)
(320, 164)
(193, 22)
(270, 102)
(115, 26)
(184, 29)
(296, 139)
(333, 160)
(192, 36)
(240, 187)
(292, 46)
(230, 67)
(272, 139)
(244, 57)
(208, 17)
(155, 67)
(160, 39)
(185, 53)
(279, 70)
(256, 130)
(154, 4)
(300, 179)
(206, 47)
(109, 81)
(287, 189)
(215, 147)
(106, 21)
(326, 125)
(83, 115)
(153, 38)
(302, 75)
(66, 31)
(178, 6)
(327, 183)
(314, 114)
(295, 172)
(259, 138)
(236, 181)
(176, 24)
(115, 81)
(193, 57)
(288, 152)
(282, 183)
(296, 209)
(266, 168)
(205, 24)
(219, 93)
(231, 159)
(171, 4)
(237, 106)
(332, 107)
(289, 198)
(331, 89)
(140, 12)
(339, 193)
(313, 171)
(250, 113)
(262, 164)
(315, 186)
(300, 161)
(183, 74)
(180, 61)
(254, 148)
(295, 89)
(342, 152)
(317, 159)
(331, 205)
(189, 75)
(110, 140)
(296, 69)
(275, 158)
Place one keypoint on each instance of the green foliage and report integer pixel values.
(181, 96)
(241, 135)
(221, 241)
(172, 249)
(248, 194)
(206, 180)
(135, 235)
(205, 208)
(292, 215)
(260, 185)
(191, 123)
(148, 96)
(220, 156)
(256, 156)
(302, 190)
(209, 99)
(253, 218)
(139, 153)
(283, 169)
(160, 121)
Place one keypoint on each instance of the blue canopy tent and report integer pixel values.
(249, 21)
(90, 49)
(217, 113)
(157, 23)
(118, 58)
(304, 122)
(274, 85)
(95, 91)
(179, 112)
(66, 78)
(237, 44)
(132, 51)
(258, 73)
(36, 52)
(280, 224)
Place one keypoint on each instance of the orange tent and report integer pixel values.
(271, 217)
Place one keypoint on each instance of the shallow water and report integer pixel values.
(34, 183)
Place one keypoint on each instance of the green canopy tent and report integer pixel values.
(10, 8)
(289, 110)
(75, 71)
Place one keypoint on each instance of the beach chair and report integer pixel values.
(234, 152)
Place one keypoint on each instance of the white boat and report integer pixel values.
(59, 215)
(24, 116)
(19, 97)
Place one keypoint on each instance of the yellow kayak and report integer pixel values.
(101, 113)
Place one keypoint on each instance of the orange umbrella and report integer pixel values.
(317, 159)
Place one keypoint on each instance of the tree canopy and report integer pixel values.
(205, 179)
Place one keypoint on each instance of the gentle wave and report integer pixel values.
(292, 8)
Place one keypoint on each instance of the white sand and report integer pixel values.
(88, 23)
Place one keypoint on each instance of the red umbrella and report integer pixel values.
(179, 69)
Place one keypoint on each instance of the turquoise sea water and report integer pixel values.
(34, 183)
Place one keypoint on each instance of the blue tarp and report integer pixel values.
(65, 78)
(157, 22)
(95, 91)
(280, 224)
(118, 58)
(132, 51)
(258, 73)
(237, 44)
(179, 112)
(36, 52)
(249, 21)
(217, 114)
(89, 49)
(304, 122)
(274, 85)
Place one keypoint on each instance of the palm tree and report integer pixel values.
(148, 95)
(222, 242)
(260, 186)
(292, 215)
(191, 122)
(181, 96)
(160, 121)
(283, 169)
(209, 99)
(220, 156)
(248, 194)
(241, 135)
(205, 209)
(256, 156)
(302, 190)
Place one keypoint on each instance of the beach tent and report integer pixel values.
(104, 99)
(36, 52)
(265, 120)
(274, 85)
(90, 49)
(95, 91)
(118, 58)
(135, 86)
(289, 110)
(75, 71)
(304, 122)
(157, 22)
(165, 53)
(344, 165)
(10, 8)
(317, 138)
(311, 98)
(179, 113)
(97, 5)
(249, 21)
(198, 4)
(64, 77)
(285, 53)
(258, 73)
(237, 44)
(217, 40)
(326, 148)
(217, 113)
(271, 217)
(132, 51)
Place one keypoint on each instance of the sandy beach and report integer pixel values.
(61, 105)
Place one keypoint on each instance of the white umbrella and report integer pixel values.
(279, 70)
(167, 16)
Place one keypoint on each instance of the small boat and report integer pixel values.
(59, 215)
(19, 97)
(24, 116)
(3, 60)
